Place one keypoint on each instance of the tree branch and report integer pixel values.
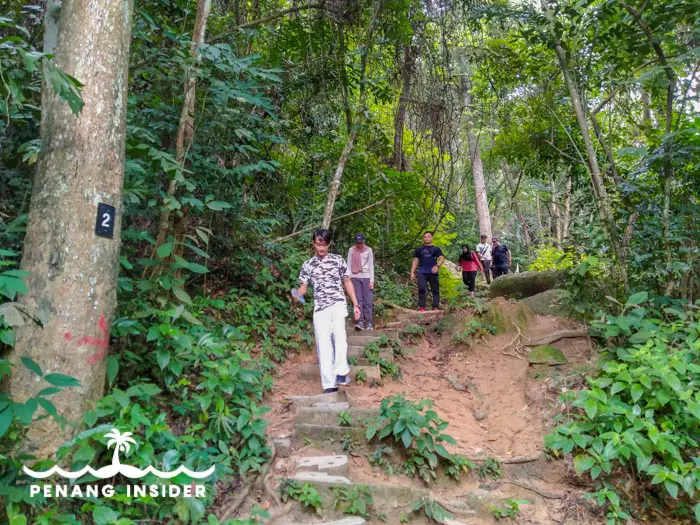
(267, 19)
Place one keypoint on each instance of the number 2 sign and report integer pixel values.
(104, 225)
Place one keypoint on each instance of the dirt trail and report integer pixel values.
(496, 406)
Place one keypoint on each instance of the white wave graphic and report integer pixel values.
(121, 443)
(112, 470)
(125, 470)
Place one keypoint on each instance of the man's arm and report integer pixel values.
(350, 289)
(509, 257)
(413, 268)
(302, 289)
(371, 269)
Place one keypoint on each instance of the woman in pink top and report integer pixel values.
(470, 264)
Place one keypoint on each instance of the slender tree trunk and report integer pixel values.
(566, 217)
(606, 147)
(510, 184)
(72, 272)
(539, 211)
(646, 107)
(482, 202)
(350, 141)
(397, 159)
(554, 211)
(344, 84)
(603, 201)
(185, 127)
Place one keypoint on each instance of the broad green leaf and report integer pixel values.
(637, 298)
(163, 358)
(32, 365)
(636, 392)
(165, 249)
(591, 408)
(104, 516)
(582, 463)
(112, 368)
(6, 416)
(61, 380)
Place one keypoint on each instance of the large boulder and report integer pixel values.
(503, 314)
(552, 302)
(526, 284)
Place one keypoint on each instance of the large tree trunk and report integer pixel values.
(555, 228)
(513, 189)
(72, 272)
(482, 202)
(603, 201)
(185, 129)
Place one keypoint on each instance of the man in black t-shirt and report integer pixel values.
(501, 258)
(427, 259)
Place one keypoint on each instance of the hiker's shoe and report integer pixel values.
(342, 380)
(421, 309)
(330, 390)
(369, 326)
(472, 294)
(358, 326)
(436, 308)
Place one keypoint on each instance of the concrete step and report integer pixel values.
(329, 416)
(358, 352)
(333, 465)
(339, 407)
(307, 401)
(330, 436)
(362, 340)
(345, 521)
(427, 315)
(311, 371)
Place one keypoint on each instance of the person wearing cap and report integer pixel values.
(361, 265)
(484, 251)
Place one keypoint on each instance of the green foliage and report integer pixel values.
(642, 411)
(344, 419)
(378, 458)
(386, 367)
(552, 258)
(510, 509)
(412, 333)
(361, 377)
(304, 493)
(419, 432)
(491, 468)
(473, 332)
(432, 510)
(349, 443)
(355, 500)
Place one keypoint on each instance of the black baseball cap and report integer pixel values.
(359, 237)
(484, 236)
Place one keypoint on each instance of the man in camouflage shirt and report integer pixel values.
(328, 274)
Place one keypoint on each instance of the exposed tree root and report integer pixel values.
(508, 460)
(544, 494)
(228, 512)
(579, 332)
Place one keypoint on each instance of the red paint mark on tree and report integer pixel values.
(100, 342)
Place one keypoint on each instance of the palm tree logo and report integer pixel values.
(120, 442)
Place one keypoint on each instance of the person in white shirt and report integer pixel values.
(361, 265)
(484, 251)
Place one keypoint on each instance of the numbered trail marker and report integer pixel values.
(104, 225)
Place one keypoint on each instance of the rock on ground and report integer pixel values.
(526, 284)
(552, 302)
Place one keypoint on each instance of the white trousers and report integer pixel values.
(331, 343)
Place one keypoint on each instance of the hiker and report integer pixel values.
(328, 273)
(501, 258)
(484, 251)
(427, 259)
(361, 264)
(470, 264)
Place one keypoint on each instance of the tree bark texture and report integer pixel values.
(566, 216)
(72, 272)
(513, 190)
(398, 160)
(482, 202)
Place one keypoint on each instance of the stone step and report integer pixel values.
(427, 315)
(358, 352)
(311, 371)
(330, 436)
(362, 340)
(329, 416)
(307, 401)
(333, 465)
(355, 520)
(339, 407)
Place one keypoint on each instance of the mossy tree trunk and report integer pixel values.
(72, 272)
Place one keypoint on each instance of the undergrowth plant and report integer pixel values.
(304, 493)
(419, 431)
(473, 331)
(510, 508)
(641, 414)
(355, 500)
(412, 333)
(432, 510)
(371, 352)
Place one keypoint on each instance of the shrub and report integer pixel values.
(552, 258)
(642, 412)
